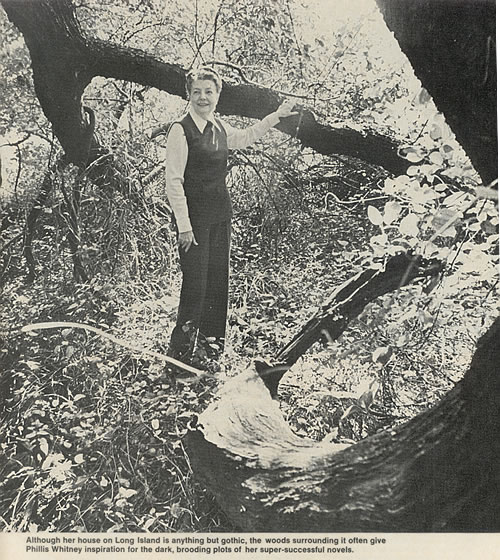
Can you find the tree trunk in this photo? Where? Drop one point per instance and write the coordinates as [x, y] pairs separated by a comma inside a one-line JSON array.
[[451, 45], [438, 472]]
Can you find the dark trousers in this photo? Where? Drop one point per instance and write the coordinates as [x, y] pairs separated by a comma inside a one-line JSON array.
[[205, 280]]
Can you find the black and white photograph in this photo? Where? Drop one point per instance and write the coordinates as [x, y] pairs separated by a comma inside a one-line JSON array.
[[249, 266]]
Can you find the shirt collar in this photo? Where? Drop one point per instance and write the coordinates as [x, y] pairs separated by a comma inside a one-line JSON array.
[[201, 123]]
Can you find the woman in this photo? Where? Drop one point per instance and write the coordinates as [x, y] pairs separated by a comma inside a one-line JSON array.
[[196, 168]]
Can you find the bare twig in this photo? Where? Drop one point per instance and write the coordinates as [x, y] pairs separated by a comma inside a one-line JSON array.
[[19, 142], [266, 186], [247, 80]]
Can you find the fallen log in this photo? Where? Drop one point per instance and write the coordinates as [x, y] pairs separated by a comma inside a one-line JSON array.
[[438, 472]]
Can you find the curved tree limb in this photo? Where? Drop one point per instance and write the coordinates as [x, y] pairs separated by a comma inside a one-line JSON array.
[[437, 472], [199, 374]]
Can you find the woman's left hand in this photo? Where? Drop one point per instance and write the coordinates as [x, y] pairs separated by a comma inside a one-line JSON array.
[[285, 109]]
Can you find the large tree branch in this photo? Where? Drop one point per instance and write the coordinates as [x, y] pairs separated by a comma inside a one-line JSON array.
[[254, 102], [344, 304], [64, 61]]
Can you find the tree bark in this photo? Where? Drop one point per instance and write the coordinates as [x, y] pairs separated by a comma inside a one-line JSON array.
[[64, 61], [438, 472], [451, 45]]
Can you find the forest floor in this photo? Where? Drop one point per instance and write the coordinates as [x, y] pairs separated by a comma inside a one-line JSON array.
[[92, 432]]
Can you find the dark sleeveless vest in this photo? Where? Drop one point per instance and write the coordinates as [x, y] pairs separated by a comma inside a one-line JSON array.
[[205, 174]]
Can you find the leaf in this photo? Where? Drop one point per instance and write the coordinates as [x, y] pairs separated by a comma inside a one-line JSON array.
[[375, 216], [435, 132], [367, 398], [379, 242], [382, 354], [413, 170], [454, 199], [149, 523], [348, 412], [436, 158], [476, 261], [32, 365], [488, 227], [79, 459], [414, 154], [391, 212], [175, 510], [330, 437], [426, 319], [402, 340], [391, 187], [421, 195], [424, 96], [44, 446], [443, 217], [409, 225], [127, 492]]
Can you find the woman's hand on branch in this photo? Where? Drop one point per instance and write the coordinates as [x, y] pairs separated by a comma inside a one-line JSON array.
[[186, 239], [285, 109]]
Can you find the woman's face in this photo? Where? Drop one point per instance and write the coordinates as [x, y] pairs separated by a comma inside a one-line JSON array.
[[203, 97]]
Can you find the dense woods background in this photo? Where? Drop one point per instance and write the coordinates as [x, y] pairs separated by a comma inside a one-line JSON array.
[[93, 431]]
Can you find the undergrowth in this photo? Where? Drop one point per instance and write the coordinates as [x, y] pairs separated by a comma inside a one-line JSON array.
[[92, 436]]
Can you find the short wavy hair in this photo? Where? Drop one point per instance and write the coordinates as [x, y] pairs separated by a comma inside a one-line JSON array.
[[203, 73]]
